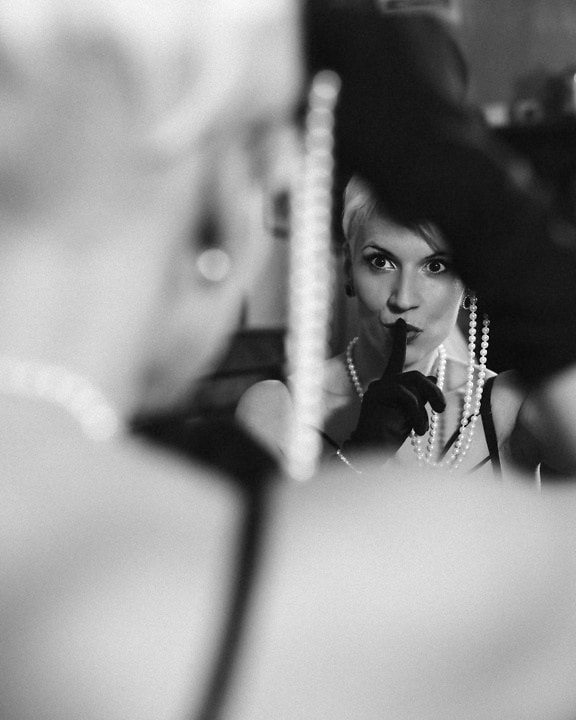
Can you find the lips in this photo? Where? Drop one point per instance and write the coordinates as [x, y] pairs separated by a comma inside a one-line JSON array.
[[409, 328], [412, 331]]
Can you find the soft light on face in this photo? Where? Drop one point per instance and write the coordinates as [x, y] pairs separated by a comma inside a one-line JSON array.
[[397, 274]]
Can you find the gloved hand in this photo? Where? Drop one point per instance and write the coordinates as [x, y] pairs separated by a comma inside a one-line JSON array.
[[396, 403]]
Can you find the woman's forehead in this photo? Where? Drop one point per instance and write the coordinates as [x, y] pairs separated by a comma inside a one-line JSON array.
[[386, 234]]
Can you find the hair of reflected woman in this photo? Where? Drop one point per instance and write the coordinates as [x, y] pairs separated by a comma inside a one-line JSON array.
[[361, 204]]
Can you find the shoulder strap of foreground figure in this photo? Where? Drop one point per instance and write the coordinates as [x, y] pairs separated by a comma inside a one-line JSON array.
[[488, 425]]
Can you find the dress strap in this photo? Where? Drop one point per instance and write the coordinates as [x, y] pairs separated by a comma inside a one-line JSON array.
[[488, 425], [328, 440], [250, 550], [223, 444]]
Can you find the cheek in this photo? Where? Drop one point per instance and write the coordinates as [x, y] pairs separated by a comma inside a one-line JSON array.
[[193, 327], [250, 179], [255, 247], [371, 291], [444, 307]]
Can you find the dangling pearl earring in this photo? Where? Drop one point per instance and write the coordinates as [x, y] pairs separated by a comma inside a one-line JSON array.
[[213, 265], [311, 278]]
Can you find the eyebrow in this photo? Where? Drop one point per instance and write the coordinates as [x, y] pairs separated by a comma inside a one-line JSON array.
[[440, 253]]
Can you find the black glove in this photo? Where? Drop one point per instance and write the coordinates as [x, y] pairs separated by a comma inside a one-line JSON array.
[[396, 403]]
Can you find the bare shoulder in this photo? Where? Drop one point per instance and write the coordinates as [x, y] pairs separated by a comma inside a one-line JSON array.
[[542, 433], [265, 410], [259, 396], [336, 380], [81, 486], [370, 588], [508, 384], [507, 398], [115, 583]]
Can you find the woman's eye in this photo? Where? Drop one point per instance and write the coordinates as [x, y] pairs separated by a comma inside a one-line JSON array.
[[436, 267], [380, 262]]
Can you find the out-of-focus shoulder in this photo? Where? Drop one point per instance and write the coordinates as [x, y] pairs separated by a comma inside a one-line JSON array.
[[129, 553], [507, 397], [265, 410]]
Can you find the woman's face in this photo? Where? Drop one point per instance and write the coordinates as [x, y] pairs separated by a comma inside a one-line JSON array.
[[397, 274]]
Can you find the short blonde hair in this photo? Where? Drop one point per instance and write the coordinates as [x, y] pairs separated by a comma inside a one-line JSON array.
[[361, 203], [75, 72]]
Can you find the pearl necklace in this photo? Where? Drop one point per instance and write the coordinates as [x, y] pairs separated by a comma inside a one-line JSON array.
[[351, 368], [59, 386], [470, 408]]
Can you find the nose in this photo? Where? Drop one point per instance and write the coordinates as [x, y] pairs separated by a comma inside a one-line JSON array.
[[404, 294]]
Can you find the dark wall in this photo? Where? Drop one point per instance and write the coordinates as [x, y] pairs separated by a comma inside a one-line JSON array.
[[504, 39]]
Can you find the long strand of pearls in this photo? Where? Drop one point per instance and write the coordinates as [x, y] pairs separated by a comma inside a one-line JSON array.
[[351, 368], [415, 440], [472, 396], [474, 391], [311, 278]]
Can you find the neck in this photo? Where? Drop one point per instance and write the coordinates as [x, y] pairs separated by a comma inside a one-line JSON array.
[[370, 363], [425, 364], [85, 314]]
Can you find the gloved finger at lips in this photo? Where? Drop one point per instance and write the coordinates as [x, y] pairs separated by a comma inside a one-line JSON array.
[[398, 354]]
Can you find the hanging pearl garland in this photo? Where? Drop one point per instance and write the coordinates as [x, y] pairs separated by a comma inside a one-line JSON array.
[[472, 396], [311, 278]]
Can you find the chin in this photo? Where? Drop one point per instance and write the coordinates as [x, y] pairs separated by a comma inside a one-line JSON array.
[[168, 383], [164, 388], [163, 399], [416, 355], [411, 360]]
